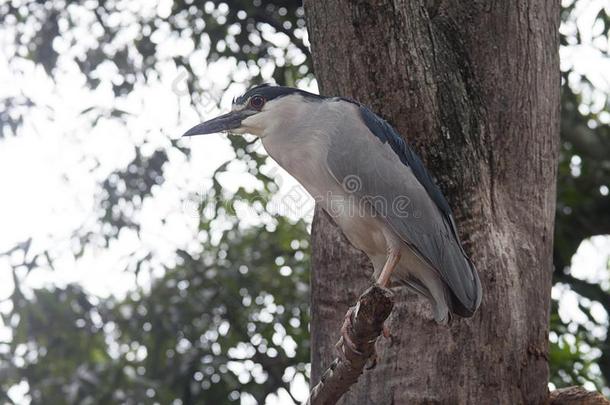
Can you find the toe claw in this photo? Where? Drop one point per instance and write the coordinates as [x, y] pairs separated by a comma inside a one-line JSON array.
[[373, 361], [345, 340], [386, 332]]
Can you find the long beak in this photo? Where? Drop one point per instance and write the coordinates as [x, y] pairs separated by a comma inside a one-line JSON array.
[[223, 123]]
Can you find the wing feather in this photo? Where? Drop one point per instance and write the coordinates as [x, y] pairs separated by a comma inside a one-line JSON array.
[[389, 172]]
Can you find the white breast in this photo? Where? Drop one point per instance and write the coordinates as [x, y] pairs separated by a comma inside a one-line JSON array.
[[300, 146]]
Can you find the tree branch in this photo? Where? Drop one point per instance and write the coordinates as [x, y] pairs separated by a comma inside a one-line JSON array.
[[576, 396], [363, 325]]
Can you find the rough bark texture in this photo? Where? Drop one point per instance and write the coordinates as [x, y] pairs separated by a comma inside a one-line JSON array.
[[577, 396], [474, 87]]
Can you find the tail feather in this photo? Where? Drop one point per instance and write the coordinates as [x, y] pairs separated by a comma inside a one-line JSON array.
[[440, 308]]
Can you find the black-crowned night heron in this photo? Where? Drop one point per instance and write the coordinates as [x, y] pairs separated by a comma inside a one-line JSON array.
[[370, 181]]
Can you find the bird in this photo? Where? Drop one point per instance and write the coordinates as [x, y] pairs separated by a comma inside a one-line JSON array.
[[372, 184]]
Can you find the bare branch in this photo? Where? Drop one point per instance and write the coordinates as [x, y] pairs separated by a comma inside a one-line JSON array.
[[363, 325], [576, 396]]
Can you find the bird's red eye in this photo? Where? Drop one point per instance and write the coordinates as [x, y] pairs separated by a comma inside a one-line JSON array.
[[257, 102]]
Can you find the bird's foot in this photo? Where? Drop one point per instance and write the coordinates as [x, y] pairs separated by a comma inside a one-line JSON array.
[[346, 346], [345, 341], [386, 332], [373, 360]]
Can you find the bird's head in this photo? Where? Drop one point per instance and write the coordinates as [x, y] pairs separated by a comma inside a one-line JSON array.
[[257, 110]]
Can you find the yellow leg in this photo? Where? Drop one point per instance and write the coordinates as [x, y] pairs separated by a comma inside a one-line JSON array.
[[388, 268]]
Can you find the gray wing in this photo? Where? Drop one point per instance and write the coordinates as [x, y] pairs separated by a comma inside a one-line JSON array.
[[372, 161]]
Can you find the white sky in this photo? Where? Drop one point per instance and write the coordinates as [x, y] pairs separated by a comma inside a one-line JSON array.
[[47, 184]]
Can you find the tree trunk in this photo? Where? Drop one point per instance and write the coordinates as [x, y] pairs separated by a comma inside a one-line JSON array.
[[474, 87]]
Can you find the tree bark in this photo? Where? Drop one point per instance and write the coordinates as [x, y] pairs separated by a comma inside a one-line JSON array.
[[576, 396], [474, 87]]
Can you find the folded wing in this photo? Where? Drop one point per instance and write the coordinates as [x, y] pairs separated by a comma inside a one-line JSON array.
[[394, 179]]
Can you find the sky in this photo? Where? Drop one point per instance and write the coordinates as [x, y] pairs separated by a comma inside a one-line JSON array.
[[48, 186]]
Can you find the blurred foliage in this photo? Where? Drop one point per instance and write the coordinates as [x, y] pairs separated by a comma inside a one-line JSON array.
[[219, 324], [580, 350], [230, 319], [127, 38]]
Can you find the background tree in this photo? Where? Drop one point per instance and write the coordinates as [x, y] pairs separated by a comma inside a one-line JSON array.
[[182, 335], [495, 157]]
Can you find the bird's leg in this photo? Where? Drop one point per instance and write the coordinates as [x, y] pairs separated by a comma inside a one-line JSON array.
[[388, 268], [384, 279]]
